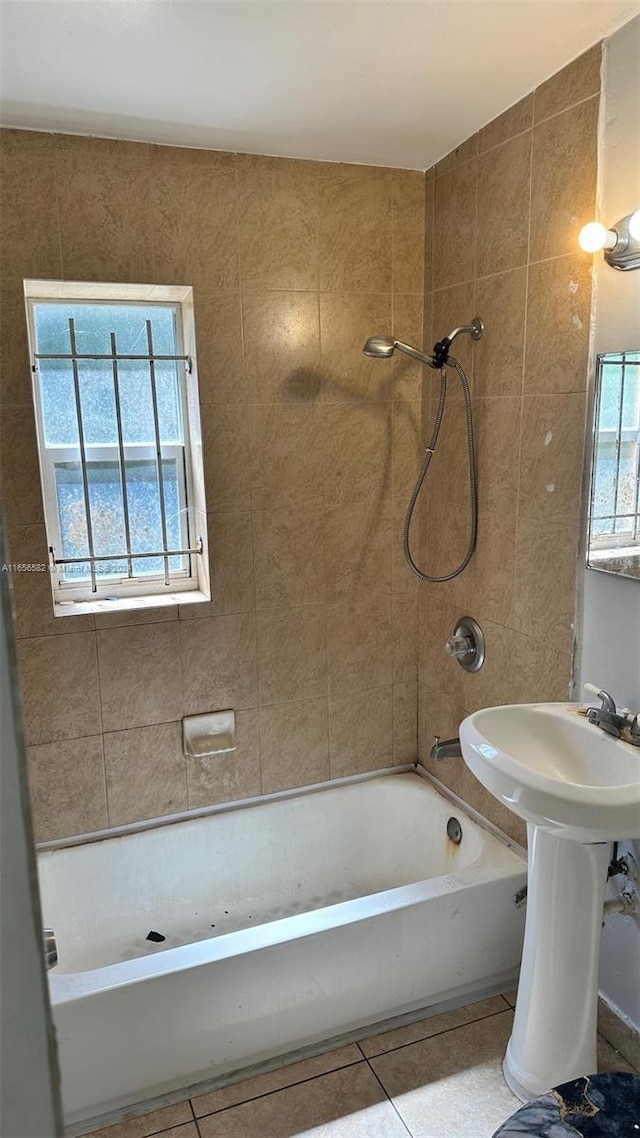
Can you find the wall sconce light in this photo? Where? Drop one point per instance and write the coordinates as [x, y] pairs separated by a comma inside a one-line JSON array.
[[621, 244]]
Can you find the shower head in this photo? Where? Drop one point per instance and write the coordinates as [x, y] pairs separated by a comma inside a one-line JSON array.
[[381, 347]]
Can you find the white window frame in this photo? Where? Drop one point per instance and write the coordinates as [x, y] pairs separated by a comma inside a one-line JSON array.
[[187, 585]]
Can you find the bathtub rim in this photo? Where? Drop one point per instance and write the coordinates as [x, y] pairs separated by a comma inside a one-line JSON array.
[[163, 820]]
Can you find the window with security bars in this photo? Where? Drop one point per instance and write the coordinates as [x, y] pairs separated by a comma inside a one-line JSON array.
[[614, 537], [116, 403]]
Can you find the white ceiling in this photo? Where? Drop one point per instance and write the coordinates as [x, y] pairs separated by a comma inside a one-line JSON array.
[[387, 82]]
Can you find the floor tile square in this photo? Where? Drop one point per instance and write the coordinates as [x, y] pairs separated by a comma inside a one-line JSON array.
[[451, 1086]]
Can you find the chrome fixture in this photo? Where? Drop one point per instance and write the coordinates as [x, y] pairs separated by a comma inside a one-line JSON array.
[[454, 831], [445, 749], [382, 347], [50, 948], [621, 244], [466, 644], [621, 724]]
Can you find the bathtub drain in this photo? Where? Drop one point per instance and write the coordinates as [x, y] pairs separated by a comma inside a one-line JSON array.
[[454, 831]]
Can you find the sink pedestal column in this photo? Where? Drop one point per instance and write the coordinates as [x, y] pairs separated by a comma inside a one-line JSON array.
[[554, 1031]]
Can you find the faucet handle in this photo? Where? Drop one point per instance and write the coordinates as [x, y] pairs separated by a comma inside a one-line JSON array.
[[607, 703]]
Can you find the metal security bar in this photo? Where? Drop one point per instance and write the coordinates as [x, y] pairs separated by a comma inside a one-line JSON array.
[[75, 358], [623, 438]]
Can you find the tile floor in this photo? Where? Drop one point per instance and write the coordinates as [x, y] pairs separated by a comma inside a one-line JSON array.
[[437, 1078]]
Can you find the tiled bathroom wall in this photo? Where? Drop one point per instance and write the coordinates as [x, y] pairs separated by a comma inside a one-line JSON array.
[[309, 451], [503, 215]]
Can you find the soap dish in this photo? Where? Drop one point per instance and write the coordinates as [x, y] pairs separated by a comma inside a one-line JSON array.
[[211, 734]]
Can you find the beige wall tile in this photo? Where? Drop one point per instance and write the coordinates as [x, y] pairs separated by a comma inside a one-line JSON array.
[[405, 723], [225, 443], [503, 206], [140, 679], [230, 567], [32, 595], [490, 575], [546, 557], [278, 211], [455, 228], [408, 326], [290, 556], [358, 551], [575, 82], [347, 320], [194, 218], [282, 345], [28, 203], [360, 644], [497, 433], [558, 315], [439, 713], [462, 153], [15, 362], [405, 637], [551, 455], [20, 472], [219, 663], [59, 681], [146, 776], [451, 307], [128, 617], [357, 462], [286, 455], [563, 184], [219, 344], [66, 784], [408, 203], [513, 121], [429, 199], [230, 776], [104, 189], [294, 744], [408, 447], [402, 578], [361, 732], [292, 653], [355, 228], [498, 357]]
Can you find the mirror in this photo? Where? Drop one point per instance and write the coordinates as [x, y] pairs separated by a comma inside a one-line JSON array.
[[614, 505]]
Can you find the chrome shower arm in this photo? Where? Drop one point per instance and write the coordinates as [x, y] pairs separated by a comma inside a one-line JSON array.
[[474, 329], [415, 354]]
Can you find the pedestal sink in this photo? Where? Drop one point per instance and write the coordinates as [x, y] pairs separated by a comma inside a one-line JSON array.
[[577, 789]]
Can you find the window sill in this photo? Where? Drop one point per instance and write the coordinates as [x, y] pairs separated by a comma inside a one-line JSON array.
[[130, 604]]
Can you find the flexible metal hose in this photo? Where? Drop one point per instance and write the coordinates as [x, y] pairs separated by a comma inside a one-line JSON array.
[[473, 487]]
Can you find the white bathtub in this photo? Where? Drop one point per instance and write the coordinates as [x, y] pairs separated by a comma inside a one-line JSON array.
[[287, 922]]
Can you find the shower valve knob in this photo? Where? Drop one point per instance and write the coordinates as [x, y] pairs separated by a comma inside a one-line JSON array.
[[466, 644], [458, 646]]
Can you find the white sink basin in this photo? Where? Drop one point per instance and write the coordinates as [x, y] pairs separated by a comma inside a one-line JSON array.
[[553, 768], [568, 780]]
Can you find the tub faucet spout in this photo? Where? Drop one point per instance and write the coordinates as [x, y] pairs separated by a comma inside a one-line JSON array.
[[445, 749]]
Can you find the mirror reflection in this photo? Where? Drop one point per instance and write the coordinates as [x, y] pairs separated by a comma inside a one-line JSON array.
[[614, 513]]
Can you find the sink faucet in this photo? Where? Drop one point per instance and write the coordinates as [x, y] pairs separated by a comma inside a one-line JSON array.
[[621, 724], [445, 749]]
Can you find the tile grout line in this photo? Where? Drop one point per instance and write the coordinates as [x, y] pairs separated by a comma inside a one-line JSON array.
[[389, 1099], [436, 1034], [275, 1091]]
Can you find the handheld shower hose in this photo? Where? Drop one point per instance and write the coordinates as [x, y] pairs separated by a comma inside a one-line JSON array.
[[383, 347]]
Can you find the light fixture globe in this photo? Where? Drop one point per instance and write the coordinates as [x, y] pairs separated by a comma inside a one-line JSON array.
[[593, 237]]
